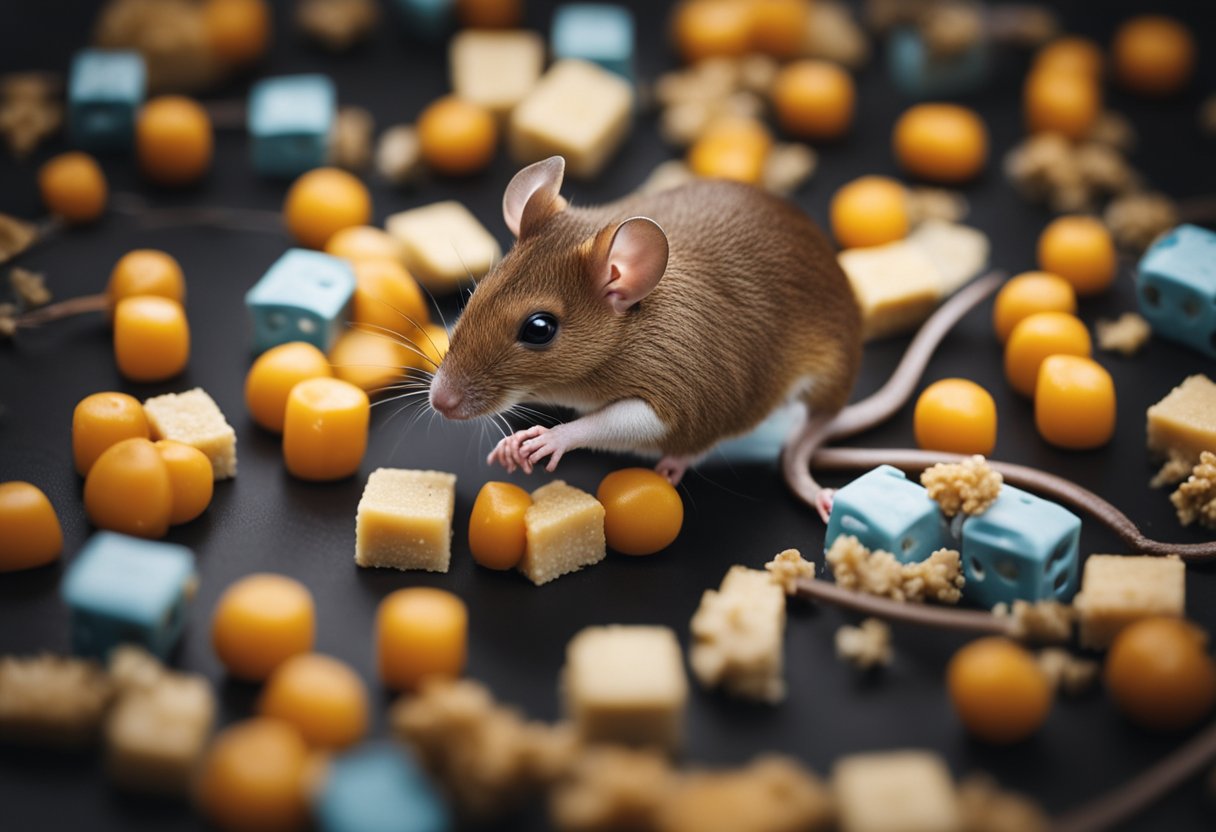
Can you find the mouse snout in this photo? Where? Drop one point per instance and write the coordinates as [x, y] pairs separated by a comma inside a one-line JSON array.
[[446, 398]]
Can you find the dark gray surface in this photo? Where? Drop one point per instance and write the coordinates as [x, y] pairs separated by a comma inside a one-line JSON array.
[[265, 520]]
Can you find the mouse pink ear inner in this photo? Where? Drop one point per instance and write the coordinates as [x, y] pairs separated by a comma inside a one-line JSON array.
[[532, 196], [636, 261]]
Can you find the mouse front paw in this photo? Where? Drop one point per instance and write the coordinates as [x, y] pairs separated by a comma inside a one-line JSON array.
[[542, 443], [508, 453]]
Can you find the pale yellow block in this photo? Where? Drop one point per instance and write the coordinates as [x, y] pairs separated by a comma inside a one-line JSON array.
[[578, 111], [565, 532], [896, 285], [51, 700], [625, 684], [737, 636], [898, 791], [495, 69], [1119, 589], [195, 419], [958, 251], [443, 244], [1184, 423], [404, 520]]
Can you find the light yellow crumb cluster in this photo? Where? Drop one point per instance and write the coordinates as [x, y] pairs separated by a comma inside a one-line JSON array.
[[737, 634], [773, 792], [1067, 673], [611, 788], [938, 578], [1125, 335], [787, 568], [985, 806], [1195, 499], [865, 646], [52, 699], [970, 486], [1044, 622]]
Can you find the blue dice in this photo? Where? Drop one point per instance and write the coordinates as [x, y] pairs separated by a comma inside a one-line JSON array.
[[290, 119], [597, 32], [885, 510], [304, 296], [378, 788], [1022, 547], [425, 19], [1176, 287], [921, 75], [125, 590], [105, 89]]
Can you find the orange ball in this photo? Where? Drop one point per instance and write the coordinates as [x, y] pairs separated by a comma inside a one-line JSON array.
[[814, 99], [173, 140], [238, 31], [941, 142], [323, 202], [497, 534], [1074, 403], [32, 535], [387, 297], [732, 148], [272, 376], [260, 622], [869, 211], [1080, 250], [420, 632], [322, 697], [129, 490], [363, 242], [104, 419], [253, 778], [151, 338], [1062, 102], [712, 28], [1160, 675], [457, 137], [1038, 336], [146, 271], [643, 512], [191, 480], [1026, 294], [73, 187], [957, 416], [778, 27], [1154, 55], [1070, 54], [998, 690]]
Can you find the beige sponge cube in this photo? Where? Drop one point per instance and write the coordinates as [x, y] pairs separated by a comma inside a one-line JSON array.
[[578, 111], [897, 286], [443, 244], [899, 791], [495, 69], [1183, 424], [195, 419], [625, 684], [565, 531], [959, 251], [404, 520], [1119, 589]]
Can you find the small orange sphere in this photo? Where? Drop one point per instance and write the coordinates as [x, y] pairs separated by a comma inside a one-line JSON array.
[[1035, 338], [712, 28], [731, 148], [1026, 294], [778, 27], [389, 299], [73, 187], [191, 480], [1074, 403], [957, 416], [869, 211], [322, 697], [1062, 102], [272, 376], [1080, 250], [32, 536], [643, 512], [323, 202], [1154, 55], [261, 621], [173, 140], [151, 338], [497, 534], [104, 419], [941, 142], [420, 632], [363, 242], [814, 99], [457, 137], [1160, 675], [128, 490], [1070, 54], [253, 778], [998, 690], [238, 31], [146, 271]]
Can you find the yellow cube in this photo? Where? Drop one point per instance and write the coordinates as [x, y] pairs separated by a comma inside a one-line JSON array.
[[404, 520], [896, 285], [443, 244], [897, 791], [564, 530], [495, 69], [1117, 590], [194, 419]]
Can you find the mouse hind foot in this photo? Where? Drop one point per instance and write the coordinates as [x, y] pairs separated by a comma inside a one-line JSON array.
[[673, 468]]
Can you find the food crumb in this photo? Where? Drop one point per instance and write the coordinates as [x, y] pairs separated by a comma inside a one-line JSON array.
[[786, 568], [337, 25], [399, 154], [350, 145], [987, 808], [865, 646], [1195, 499], [1135, 220], [1068, 674], [939, 577], [611, 788], [970, 486], [15, 236], [30, 287], [1175, 469], [788, 167], [1044, 622], [1125, 335], [936, 204]]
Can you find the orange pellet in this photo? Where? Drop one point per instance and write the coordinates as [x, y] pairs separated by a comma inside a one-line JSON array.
[[238, 31], [129, 490], [323, 202], [1080, 250], [191, 480], [457, 137], [1070, 54], [998, 690], [643, 512], [325, 429], [260, 622], [322, 697], [490, 14], [32, 536], [1035, 338], [955, 415], [372, 361], [712, 28], [869, 211], [420, 632], [253, 778], [1062, 102], [363, 242], [272, 376], [1160, 675], [497, 535], [1026, 294], [104, 419], [434, 345], [388, 299], [173, 140], [151, 338], [73, 187], [1154, 55], [732, 148], [1074, 402], [814, 99], [941, 142], [778, 27], [146, 271]]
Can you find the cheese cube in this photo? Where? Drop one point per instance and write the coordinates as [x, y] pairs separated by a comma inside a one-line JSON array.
[[404, 520], [958, 251], [48, 700], [443, 244], [896, 285], [625, 684], [578, 111], [899, 791], [495, 69], [194, 418], [1184, 423], [564, 528], [737, 632], [1119, 589]]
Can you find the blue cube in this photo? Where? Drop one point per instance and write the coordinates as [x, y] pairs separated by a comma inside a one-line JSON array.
[[290, 118], [304, 296], [885, 510], [126, 590], [1022, 547], [921, 75], [378, 788], [425, 19], [105, 89], [1176, 287], [596, 32]]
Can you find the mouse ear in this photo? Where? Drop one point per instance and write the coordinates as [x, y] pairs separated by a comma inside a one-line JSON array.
[[634, 264], [532, 196]]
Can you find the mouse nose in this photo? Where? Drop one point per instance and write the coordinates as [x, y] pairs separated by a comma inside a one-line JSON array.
[[445, 399]]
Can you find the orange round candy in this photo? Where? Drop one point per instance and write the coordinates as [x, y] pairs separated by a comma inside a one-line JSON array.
[[104, 419], [497, 535], [712, 28], [1038, 336], [73, 187], [1080, 250], [363, 242], [151, 338], [372, 361], [146, 271], [272, 376], [32, 535], [778, 27], [323, 202], [643, 512], [129, 490], [869, 211], [238, 31], [434, 345], [387, 297], [253, 778], [457, 137], [1068, 103], [731, 148], [1028, 293], [1154, 55], [941, 142], [191, 480], [1070, 54], [814, 99], [957, 416], [325, 429], [173, 140], [998, 690], [260, 622], [420, 632], [1074, 402], [490, 14], [1160, 675], [322, 697]]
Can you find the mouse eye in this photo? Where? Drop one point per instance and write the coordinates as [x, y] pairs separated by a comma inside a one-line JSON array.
[[538, 330]]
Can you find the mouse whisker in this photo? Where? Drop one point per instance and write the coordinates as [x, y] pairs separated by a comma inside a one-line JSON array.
[[398, 338], [400, 397], [438, 308], [404, 316]]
